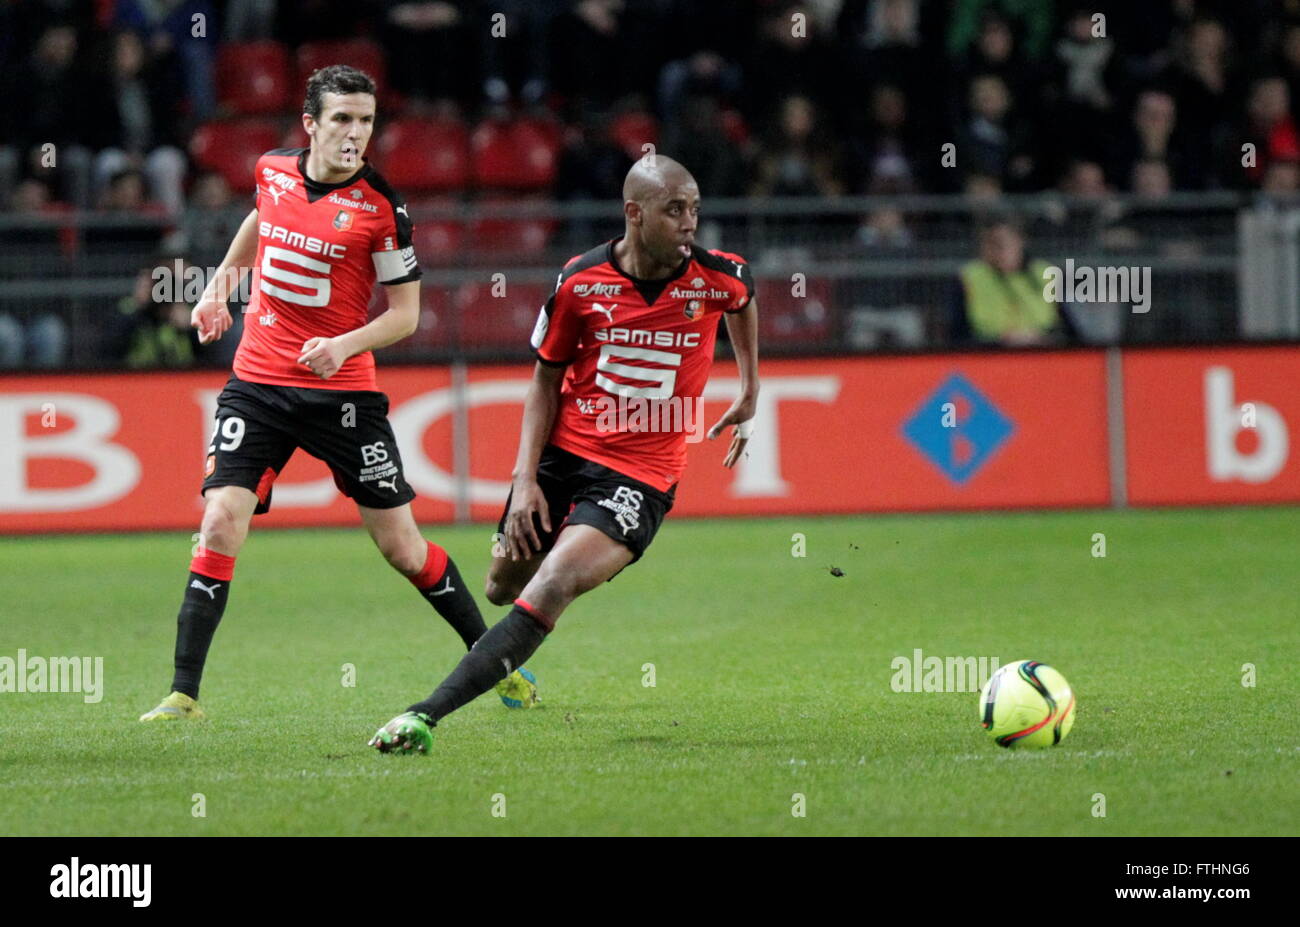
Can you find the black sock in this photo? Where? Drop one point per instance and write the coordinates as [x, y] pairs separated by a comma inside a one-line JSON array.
[[497, 654], [205, 600], [452, 600]]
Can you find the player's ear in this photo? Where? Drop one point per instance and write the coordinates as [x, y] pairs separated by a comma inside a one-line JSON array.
[[308, 124], [632, 211]]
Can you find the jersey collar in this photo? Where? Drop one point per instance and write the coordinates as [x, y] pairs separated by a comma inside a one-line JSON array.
[[650, 290], [315, 189]]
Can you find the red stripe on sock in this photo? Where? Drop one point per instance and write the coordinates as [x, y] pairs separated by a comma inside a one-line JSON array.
[[213, 565], [435, 565], [538, 616]]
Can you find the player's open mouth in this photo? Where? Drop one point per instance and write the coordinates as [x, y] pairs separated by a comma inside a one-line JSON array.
[[684, 250], [349, 154]]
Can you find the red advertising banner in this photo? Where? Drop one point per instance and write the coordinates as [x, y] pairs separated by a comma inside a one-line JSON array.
[[1211, 425], [126, 451]]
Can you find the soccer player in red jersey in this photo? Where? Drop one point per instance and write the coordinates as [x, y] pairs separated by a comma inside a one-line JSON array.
[[325, 227], [628, 333]]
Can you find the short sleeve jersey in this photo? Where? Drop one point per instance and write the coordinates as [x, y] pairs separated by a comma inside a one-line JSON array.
[[320, 249], [639, 354]]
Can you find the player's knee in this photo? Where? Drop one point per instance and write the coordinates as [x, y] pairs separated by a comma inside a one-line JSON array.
[[500, 592], [220, 528], [404, 555]]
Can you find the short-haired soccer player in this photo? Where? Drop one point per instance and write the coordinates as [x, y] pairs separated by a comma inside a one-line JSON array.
[[325, 227], [632, 321]]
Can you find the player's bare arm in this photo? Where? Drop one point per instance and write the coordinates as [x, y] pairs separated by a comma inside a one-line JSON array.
[[742, 327], [211, 316], [540, 407], [324, 356]]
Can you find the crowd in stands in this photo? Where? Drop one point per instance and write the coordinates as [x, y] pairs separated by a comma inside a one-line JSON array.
[[158, 107]]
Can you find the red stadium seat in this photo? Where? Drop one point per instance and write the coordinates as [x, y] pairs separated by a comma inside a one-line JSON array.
[[254, 78], [232, 147], [423, 154], [518, 155], [439, 241], [359, 53], [784, 318], [513, 237], [295, 136], [437, 324], [632, 131], [504, 322]]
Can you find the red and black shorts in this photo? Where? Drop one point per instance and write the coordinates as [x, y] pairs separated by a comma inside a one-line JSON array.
[[259, 426], [581, 492]]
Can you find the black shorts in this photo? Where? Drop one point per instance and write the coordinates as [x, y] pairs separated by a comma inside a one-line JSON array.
[[581, 492], [259, 426]]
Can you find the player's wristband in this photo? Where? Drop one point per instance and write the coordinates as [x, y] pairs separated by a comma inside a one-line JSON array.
[[744, 429]]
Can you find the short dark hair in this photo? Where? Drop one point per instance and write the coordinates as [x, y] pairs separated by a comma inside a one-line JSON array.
[[337, 78]]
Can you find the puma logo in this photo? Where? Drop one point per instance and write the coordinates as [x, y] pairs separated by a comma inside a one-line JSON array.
[[444, 590], [275, 193], [210, 590], [609, 313], [391, 484]]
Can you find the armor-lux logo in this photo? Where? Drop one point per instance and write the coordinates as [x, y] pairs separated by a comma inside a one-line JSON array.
[[352, 204]]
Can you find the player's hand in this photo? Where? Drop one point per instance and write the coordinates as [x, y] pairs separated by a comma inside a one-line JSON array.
[[212, 319], [322, 356], [742, 410], [522, 541]]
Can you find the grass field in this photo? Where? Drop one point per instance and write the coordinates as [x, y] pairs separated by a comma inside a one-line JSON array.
[[772, 678]]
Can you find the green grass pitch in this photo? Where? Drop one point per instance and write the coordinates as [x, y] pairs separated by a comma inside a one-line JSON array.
[[772, 680]]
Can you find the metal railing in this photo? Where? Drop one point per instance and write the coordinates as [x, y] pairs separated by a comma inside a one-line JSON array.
[[845, 275]]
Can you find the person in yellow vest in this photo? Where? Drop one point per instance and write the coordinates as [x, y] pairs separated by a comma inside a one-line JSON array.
[[1000, 298]]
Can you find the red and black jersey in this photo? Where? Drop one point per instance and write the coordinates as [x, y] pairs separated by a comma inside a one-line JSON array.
[[320, 249], [634, 341]]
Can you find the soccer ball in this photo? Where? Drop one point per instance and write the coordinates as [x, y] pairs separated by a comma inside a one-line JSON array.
[[1027, 704]]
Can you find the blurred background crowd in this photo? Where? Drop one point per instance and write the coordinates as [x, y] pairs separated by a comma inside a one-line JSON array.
[[149, 113]]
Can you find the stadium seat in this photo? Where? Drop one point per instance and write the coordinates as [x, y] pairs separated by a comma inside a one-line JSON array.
[[359, 53], [423, 154], [231, 148], [515, 155], [632, 131], [254, 78], [437, 329], [502, 322], [295, 136], [438, 241], [784, 318], [510, 237]]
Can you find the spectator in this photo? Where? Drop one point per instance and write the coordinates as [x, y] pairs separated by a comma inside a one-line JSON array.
[[1203, 92], [798, 159], [188, 28], [31, 334], [136, 120], [1000, 297], [151, 332], [884, 153], [991, 141], [1268, 129], [699, 138], [51, 85], [430, 47], [1033, 18], [211, 220], [1151, 135]]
